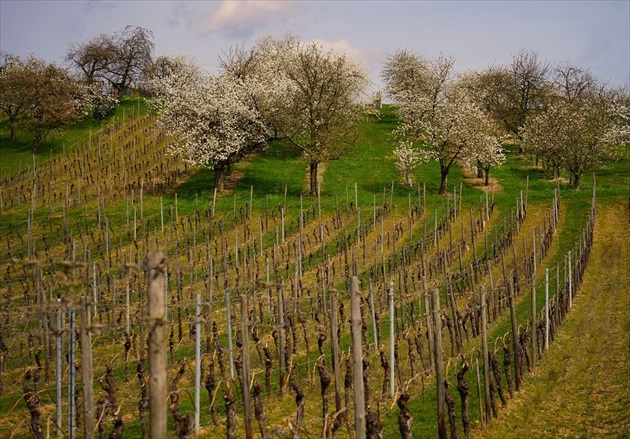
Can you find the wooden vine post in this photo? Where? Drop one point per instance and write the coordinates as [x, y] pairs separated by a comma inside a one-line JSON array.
[[197, 360], [71, 374], [86, 370], [546, 308], [58, 371], [427, 315], [249, 430], [357, 359], [439, 364], [281, 338], [392, 357], [156, 266], [335, 350], [534, 322], [486, 359], [515, 344], [229, 331]]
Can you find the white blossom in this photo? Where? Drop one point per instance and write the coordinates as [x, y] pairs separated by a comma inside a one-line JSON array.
[[573, 137], [408, 158], [439, 113], [213, 120]]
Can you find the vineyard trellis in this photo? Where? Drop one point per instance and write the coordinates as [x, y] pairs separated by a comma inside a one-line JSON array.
[[284, 276]]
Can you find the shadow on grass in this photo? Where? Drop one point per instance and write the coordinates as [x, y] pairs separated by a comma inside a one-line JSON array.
[[268, 172]]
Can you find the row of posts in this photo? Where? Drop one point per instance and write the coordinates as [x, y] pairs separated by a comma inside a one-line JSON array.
[[156, 266]]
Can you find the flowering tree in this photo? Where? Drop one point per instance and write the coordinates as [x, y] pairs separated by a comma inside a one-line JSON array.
[[582, 126], [212, 119], [408, 158], [40, 97], [407, 76], [486, 154], [260, 70], [619, 131], [574, 137], [439, 112], [14, 87], [317, 107], [168, 74]]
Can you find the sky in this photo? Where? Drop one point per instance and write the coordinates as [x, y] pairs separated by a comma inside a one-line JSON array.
[[593, 35]]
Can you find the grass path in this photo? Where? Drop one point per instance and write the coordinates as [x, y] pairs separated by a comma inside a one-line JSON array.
[[581, 388]]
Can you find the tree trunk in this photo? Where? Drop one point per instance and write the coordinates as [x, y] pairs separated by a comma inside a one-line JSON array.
[[444, 180], [479, 170], [313, 178], [487, 177], [219, 176], [12, 133], [39, 136], [575, 181]]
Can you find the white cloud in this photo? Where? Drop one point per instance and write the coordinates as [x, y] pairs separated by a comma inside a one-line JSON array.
[[372, 58], [241, 19], [368, 55]]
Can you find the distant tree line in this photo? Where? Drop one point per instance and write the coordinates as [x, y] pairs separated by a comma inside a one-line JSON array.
[[314, 100], [562, 114], [42, 97], [298, 93]]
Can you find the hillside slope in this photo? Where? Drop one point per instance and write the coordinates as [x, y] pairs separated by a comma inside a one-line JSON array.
[[582, 385]]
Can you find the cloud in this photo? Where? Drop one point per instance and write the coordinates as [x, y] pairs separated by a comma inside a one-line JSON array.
[[372, 58], [241, 19]]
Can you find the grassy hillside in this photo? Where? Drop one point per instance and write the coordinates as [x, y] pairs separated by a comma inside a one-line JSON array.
[[104, 202], [581, 387]]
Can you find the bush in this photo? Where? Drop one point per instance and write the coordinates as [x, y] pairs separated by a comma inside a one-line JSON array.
[[104, 106]]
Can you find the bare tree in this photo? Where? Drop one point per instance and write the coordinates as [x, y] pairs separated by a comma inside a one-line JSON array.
[[92, 58], [511, 94], [572, 83], [118, 59], [530, 84], [133, 52]]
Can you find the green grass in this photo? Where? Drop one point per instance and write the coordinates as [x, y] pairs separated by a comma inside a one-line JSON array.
[[581, 387], [16, 157], [369, 165]]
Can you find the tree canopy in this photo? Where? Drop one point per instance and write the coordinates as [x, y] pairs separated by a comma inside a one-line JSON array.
[[321, 108], [118, 60], [439, 114], [40, 96], [212, 119]]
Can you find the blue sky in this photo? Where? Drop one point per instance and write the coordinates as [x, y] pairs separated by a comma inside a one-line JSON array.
[[590, 34]]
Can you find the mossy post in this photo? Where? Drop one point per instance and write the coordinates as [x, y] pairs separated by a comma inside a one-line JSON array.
[[156, 266], [86, 370], [486, 358], [439, 364]]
